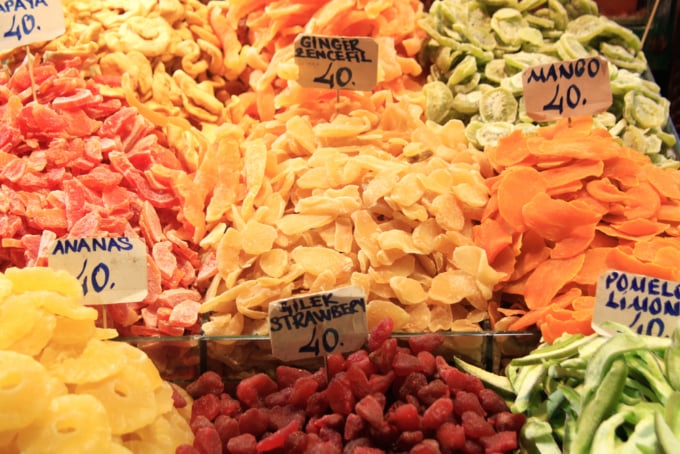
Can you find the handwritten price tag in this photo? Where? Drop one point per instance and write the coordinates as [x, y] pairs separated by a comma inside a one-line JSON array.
[[647, 305], [337, 62], [567, 89], [317, 324], [111, 270], [24, 22]]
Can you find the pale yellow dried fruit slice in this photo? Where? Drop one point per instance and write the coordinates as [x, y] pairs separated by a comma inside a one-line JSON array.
[[98, 360], [71, 424], [128, 398], [24, 383], [43, 278]]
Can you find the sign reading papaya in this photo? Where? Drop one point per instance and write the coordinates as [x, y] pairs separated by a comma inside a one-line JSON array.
[[24, 22], [337, 62], [110, 270], [647, 305], [317, 324], [567, 89]]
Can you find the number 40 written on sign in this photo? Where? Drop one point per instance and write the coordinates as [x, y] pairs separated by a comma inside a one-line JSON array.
[[98, 277], [21, 27], [340, 77], [329, 338]]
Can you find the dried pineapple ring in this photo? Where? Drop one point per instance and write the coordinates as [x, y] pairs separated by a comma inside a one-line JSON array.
[[72, 423], [43, 278], [127, 397], [35, 341], [17, 318], [140, 361], [97, 361], [21, 380]]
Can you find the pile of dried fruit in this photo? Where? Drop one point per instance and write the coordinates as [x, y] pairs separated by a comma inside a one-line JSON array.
[[385, 399], [568, 203], [477, 52], [65, 387], [77, 163]]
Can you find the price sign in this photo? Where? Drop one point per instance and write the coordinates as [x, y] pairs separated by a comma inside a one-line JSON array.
[[317, 324], [111, 270], [337, 62], [24, 22], [647, 305], [567, 89]]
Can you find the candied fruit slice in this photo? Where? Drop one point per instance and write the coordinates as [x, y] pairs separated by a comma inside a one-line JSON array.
[[127, 397], [42, 278], [21, 379], [99, 360], [71, 423]]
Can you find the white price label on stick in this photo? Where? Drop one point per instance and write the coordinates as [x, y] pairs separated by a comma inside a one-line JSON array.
[[24, 22], [647, 305], [567, 89], [337, 62], [317, 324], [110, 269]]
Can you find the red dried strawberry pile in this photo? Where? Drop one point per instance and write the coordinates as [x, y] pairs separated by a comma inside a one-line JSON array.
[[385, 399], [75, 163]]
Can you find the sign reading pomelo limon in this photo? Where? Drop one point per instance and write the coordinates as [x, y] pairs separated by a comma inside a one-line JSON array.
[[110, 269], [567, 89], [317, 324], [337, 62], [647, 305], [25, 22]]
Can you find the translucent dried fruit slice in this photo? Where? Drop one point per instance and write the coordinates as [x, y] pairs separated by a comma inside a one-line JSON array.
[[498, 105], [22, 379], [138, 359], [507, 23], [99, 360], [43, 278], [65, 305], [71, 423], [69, 331], [18, 316], [585, 28], [127, 397], [34, 342]]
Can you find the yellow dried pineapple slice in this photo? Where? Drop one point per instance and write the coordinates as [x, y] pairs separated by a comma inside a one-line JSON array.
[[64, 305], [137, 358], [128, 398], [163, 395], [35, 341], [6, 287], [71, 424], [43, 278], [163, 435], [69, 331], [98, 360], [22, 379], [18, 317]]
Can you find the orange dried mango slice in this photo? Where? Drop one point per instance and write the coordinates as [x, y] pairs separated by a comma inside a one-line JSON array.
[[517, 187]]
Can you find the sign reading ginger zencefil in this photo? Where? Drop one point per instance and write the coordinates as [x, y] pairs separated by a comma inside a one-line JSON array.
[[567, 89], [24, 22], [647, 305], [318, 324], [110, 270], [337, 62]]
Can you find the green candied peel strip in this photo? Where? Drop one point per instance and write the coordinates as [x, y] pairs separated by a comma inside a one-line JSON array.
[[596, 393], [523, 33]]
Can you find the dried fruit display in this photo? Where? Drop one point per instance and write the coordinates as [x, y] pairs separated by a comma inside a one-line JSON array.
[[387, 398], [66, 387], [78, 163]]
